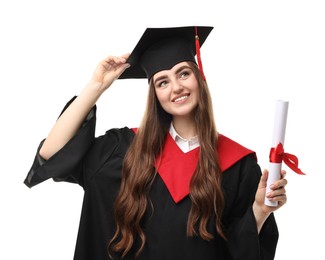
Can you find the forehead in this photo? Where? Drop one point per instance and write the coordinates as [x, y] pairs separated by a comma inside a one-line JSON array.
[[172, 70]]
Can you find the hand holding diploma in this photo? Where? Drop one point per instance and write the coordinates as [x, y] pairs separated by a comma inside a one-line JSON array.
[[277, 154]]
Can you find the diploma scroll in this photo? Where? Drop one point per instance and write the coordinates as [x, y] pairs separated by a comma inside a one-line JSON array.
[[280, 121]]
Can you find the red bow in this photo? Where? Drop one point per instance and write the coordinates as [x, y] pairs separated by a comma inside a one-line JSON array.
[[277, 155]]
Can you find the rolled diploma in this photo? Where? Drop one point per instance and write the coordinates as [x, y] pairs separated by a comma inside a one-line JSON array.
[[280, 121]]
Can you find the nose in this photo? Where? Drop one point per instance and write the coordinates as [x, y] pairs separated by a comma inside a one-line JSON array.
[[177, 86]]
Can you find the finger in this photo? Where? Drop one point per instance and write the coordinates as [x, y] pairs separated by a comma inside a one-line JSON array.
[[109, 58], [119, 60], [121, 69], [114, 60], [276, 193], [279, 184], [263, 179], [125, 56], [281, 199]]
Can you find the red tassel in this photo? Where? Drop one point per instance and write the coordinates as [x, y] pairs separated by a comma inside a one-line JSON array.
[[198, 54]]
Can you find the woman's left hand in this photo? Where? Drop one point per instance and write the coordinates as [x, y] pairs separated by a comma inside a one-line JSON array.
[[277, 193]]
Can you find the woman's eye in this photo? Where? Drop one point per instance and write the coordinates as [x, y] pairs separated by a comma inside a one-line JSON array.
[[184, 74], [162, 84]]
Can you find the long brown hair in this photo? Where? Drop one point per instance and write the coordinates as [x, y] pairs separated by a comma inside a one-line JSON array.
[[138, 173]]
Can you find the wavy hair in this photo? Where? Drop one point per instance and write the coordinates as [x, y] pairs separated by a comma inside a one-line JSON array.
[[138, 173]]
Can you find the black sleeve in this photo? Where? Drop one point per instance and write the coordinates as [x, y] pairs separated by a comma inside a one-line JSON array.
[[244, 242], [66, 164]]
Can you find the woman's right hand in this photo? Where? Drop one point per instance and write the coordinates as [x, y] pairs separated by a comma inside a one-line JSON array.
[[72, 118], [109, 70]]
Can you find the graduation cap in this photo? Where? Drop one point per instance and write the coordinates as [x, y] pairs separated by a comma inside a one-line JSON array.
[[162, 48]]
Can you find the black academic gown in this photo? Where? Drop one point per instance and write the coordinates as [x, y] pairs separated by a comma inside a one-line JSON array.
[[95, 164]]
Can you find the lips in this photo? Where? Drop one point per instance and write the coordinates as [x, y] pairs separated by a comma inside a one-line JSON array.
[[180, 98]]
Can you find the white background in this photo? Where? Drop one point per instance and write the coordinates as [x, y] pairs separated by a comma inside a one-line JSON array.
[[258, 52]]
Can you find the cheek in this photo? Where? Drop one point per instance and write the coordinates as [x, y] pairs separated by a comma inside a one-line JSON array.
[[197, 93], [161, 96]]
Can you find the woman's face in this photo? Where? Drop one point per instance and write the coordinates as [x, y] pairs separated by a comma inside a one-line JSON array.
[[177, 90]]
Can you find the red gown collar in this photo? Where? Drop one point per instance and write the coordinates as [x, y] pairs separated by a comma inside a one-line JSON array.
[[176, 167]]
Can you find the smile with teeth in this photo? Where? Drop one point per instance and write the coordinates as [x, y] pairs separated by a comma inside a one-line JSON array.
[[179, 99]]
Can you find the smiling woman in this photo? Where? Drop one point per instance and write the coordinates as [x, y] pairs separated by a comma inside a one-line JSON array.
[[177, 91], [174, 188]]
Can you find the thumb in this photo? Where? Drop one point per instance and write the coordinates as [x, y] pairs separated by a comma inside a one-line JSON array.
[[263, 179], [121, 69]]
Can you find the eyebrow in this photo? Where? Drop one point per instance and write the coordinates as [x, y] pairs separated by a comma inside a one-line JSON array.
[[176, 72]]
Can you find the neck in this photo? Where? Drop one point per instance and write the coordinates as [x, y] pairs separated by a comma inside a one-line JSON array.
[[185, 126]]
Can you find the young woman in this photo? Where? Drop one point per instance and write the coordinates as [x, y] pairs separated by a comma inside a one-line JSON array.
[[174, 188]]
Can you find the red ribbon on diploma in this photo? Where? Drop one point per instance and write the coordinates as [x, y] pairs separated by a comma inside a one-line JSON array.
[[277, 155]]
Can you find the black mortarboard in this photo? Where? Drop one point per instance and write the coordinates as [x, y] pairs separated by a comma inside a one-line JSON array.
[[161, 48]]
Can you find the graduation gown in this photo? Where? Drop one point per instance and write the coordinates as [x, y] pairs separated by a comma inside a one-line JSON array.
[[95, 164]]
